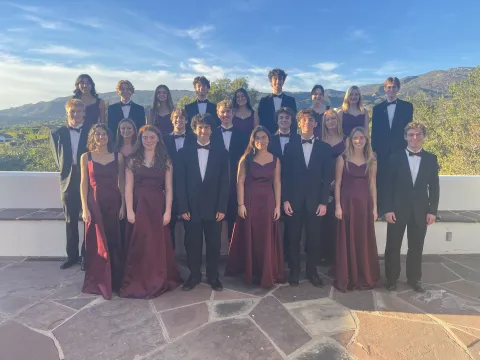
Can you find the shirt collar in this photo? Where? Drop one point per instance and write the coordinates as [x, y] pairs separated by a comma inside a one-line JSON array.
[[408, 149], [199, 143]]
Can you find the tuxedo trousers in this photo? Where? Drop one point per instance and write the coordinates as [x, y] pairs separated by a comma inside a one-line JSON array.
[[416, 238], [194, 234], [313, 224], [72, 206]]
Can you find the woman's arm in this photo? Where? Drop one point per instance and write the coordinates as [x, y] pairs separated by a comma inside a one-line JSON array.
[[256, 120], [84, 182], [338, 183], [129, 180], [373, 187], [169, 187], [367, 121], [242, 212], [149, 117], [277, 190], [121, 181], [102, 112]]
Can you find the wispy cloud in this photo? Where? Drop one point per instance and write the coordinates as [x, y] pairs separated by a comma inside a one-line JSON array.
[[326, 66], [60, 50], [197, 34], [359, 34], [27, 8], [52, 25], [161, 64], [17, 30]]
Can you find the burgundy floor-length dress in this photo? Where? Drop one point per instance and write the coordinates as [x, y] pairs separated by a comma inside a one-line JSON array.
[[256, 247], [150, 266], [244, 125], [349, 122], [329, 225], [164, 124], [103, 249], [356, 255]]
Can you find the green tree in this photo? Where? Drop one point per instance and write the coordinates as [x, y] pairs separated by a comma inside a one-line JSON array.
[[184, 101], [223, 89]]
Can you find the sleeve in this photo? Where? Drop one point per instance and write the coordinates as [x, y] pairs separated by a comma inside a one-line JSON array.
[[327, 174], [142, 117], [224, 183], [287, 172], [54, 147], [434, 188], [374, 128], [180, 183], [110, 123], [261, 111], [409, 113], [389, 184]]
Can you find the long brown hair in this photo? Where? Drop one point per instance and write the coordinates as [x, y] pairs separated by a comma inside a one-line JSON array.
[[161, 160], [333, 113], [92, 144], [120, 140], [367, 149], [156, 104], [251, 150]]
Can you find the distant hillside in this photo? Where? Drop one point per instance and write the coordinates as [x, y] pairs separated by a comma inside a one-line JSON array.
[[434, 83]]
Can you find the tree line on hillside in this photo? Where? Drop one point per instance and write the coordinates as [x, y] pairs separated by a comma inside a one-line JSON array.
[[453, 125]]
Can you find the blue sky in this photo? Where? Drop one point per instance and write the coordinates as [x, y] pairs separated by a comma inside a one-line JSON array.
[[45, 44]]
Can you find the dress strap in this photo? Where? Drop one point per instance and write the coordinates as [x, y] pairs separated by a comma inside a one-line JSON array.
[[89, 156]]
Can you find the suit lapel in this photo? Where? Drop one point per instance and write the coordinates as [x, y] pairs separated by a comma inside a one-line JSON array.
[[313, 155], [67, 145], [396, 114], [210, 164], [406, 167], [196, 164], [422, 168]]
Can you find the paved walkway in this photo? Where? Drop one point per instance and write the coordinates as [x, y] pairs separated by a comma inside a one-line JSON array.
[[44, 316]]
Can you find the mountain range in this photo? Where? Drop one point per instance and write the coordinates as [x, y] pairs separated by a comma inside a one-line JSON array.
[[433, 84]]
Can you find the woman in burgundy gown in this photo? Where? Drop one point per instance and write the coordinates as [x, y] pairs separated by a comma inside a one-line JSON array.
[[318, 107], [102, 184], [94, 106], [162, 107], [353, 114], [332, 134], [150, 266], [244, 117], [356, 256], [256, 248]]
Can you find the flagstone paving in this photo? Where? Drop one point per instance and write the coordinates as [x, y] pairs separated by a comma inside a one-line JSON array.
[[44, 316]]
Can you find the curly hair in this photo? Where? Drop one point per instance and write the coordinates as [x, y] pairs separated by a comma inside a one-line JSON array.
[[205, 119], [201, 80], [77, 93], [278, 73], [128, 83], [92, 144], [161, 160]]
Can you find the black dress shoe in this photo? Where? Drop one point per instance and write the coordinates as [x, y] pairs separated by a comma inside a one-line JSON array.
[[82, 263], [190, 284], [68, 263], [391, 286], [216, 285], [293, 280], [417, 286], [315, 280]]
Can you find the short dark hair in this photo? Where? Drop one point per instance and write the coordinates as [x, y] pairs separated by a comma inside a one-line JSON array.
[[204, 119], [201, 80], [317, 87], [392, 80], [415, 125], [284, 110], [279, 73], [303, 112]]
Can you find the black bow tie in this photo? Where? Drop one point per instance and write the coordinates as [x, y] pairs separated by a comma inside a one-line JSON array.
[[202, 101], [71, 128], [205, 147], [127, 104], [277, 96], [411, 153], [179, 136], [307, 141], [284, 135], [225, 130], [394, 102]]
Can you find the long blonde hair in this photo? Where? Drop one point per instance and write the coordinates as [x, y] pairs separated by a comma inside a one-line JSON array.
[[346, 101], [367, 149], [331, 112]]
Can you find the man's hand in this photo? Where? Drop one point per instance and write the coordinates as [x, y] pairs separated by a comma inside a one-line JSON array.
[[321, 210], [391, 217], [186, 216], [287, 208], [430, 219], [220, 216]]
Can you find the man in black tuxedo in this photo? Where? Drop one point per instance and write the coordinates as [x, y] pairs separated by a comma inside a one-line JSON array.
[[175, 141], [389, 118], [202, 105], [235, 142], [125, 109], [412, 193], [307, 174], [270, 104], [68, 143], [202, 187], [279, 140]]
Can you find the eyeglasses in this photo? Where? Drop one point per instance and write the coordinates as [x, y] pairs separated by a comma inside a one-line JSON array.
[[415, 135]]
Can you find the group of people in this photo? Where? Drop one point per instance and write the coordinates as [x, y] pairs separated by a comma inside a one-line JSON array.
[[134, 176]]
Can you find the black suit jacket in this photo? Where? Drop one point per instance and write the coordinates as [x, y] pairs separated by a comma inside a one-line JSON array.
[[303, 186], [402, 197], [115, 115], [202, 199], [386, 140], [61, 147], [192, 110], [266, 112], [275, 147]]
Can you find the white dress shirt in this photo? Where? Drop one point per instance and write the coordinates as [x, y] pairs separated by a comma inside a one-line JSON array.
[[391, 112], [277, 101], [202, 107], [284, 141], [203, 159], [74, 139], [307, 150], [125, 109], [414, 163], [227, 137], [179, 141]]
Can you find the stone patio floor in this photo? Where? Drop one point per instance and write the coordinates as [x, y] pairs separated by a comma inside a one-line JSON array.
[[44, 316]]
